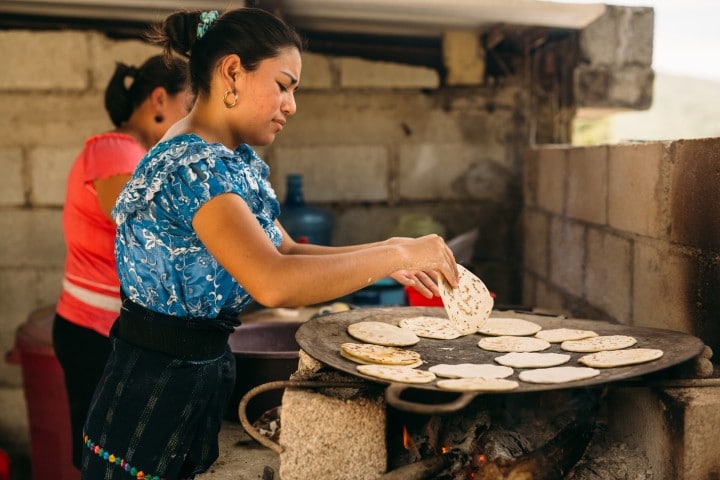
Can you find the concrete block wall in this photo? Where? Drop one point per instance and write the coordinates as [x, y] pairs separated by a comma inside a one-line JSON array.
[[627, 233]]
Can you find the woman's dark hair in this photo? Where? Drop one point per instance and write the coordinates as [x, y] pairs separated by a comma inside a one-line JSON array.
[[251, 33], [121, 98]]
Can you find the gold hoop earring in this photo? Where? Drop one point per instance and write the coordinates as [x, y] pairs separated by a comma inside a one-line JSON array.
[[225, 99]]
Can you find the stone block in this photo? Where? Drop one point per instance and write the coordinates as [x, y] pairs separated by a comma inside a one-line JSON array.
[[64, 65], [364, 224], [51, 119], [360, 73], [531, 169], [49, 168], [31, 238], [552, 171], [536, 253], [20, 294], [587, 184], [548, 298], [663, 287], [567, 256], [334, 173], [608, 275], [317, 72], [14, 419], [628, 87], [621, 36], [694, 193], [450, 171], [676, 427], [12, 183], [327, 437], [106, 53], [637, 198], [463, 58]]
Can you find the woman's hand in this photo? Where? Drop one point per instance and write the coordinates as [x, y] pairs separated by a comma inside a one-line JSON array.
[[433, 258], [421, 281]]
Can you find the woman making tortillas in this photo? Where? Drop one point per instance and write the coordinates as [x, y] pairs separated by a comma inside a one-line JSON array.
[[198, 240]]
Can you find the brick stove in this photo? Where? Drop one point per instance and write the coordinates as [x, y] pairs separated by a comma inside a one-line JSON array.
[[659, 426]]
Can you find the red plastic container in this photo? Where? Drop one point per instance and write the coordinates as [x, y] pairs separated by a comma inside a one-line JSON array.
[[46, 398], [416, 300], [4, 465]]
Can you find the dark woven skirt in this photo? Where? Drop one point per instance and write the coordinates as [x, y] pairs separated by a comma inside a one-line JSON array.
[[155, 416]]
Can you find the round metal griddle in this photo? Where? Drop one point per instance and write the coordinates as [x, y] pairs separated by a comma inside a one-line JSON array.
[[321, 338]]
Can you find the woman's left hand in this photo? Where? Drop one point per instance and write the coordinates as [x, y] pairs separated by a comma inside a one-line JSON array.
[[421, 281]]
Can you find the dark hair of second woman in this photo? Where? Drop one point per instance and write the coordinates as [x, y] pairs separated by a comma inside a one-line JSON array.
[[251, 33], [130, 86]]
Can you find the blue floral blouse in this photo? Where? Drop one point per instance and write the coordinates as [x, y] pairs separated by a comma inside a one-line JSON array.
[[162, 263]]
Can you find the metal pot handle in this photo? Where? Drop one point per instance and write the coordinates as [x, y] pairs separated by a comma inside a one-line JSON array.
[[253, 392], [395, 390]]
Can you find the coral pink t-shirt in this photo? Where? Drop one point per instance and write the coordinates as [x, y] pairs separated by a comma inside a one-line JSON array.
[[91, 290]]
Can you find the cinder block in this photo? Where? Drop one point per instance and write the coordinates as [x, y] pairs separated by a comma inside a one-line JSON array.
[[359, 73], [663, 287], [548, 298], [450, 171], [64, 65], [321, 437], [676, 427], [317, 72], [364, 224], [463, 57], [608, 276], [51, 119], [567, 256], [637, 189], [31, 238], [334, 173], [536, 250], [694, 193], [49, 169], [12, 183], [551, 174], [587, 184], [19, 296], [106, 53]]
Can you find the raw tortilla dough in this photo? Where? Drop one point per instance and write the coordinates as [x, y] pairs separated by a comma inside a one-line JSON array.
[[557, 374], [599, 343], [381, 333], [509, 326], [532, 359], [558, 335], [471, 370], [469, 305], [397, 374], [431, 327], [513, 344], [619, 358], [477, 384]]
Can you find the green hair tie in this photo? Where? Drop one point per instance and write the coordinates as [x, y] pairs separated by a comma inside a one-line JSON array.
[[206, 19]]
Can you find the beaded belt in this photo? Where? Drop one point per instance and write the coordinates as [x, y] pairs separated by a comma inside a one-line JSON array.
[[180, 337]]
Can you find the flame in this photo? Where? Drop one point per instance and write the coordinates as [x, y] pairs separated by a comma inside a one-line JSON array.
[[480, 460], [407, 441]]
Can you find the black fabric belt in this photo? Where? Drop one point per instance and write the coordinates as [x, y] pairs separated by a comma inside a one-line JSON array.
[[180, 337]]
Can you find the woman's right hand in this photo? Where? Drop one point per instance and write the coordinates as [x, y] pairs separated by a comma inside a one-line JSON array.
[[429, 254]]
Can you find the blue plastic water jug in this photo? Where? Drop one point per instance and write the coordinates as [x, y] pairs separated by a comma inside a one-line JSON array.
[[304, 223]]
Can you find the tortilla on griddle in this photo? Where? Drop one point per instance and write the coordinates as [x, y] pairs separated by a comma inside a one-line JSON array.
[[471, 370], [396, 373], [532, 359], [599, 343], [507, 343], [497, 326], [477, 384], [620, 358], [378, 354], [381, 333], [430, 327], [558, 374]]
